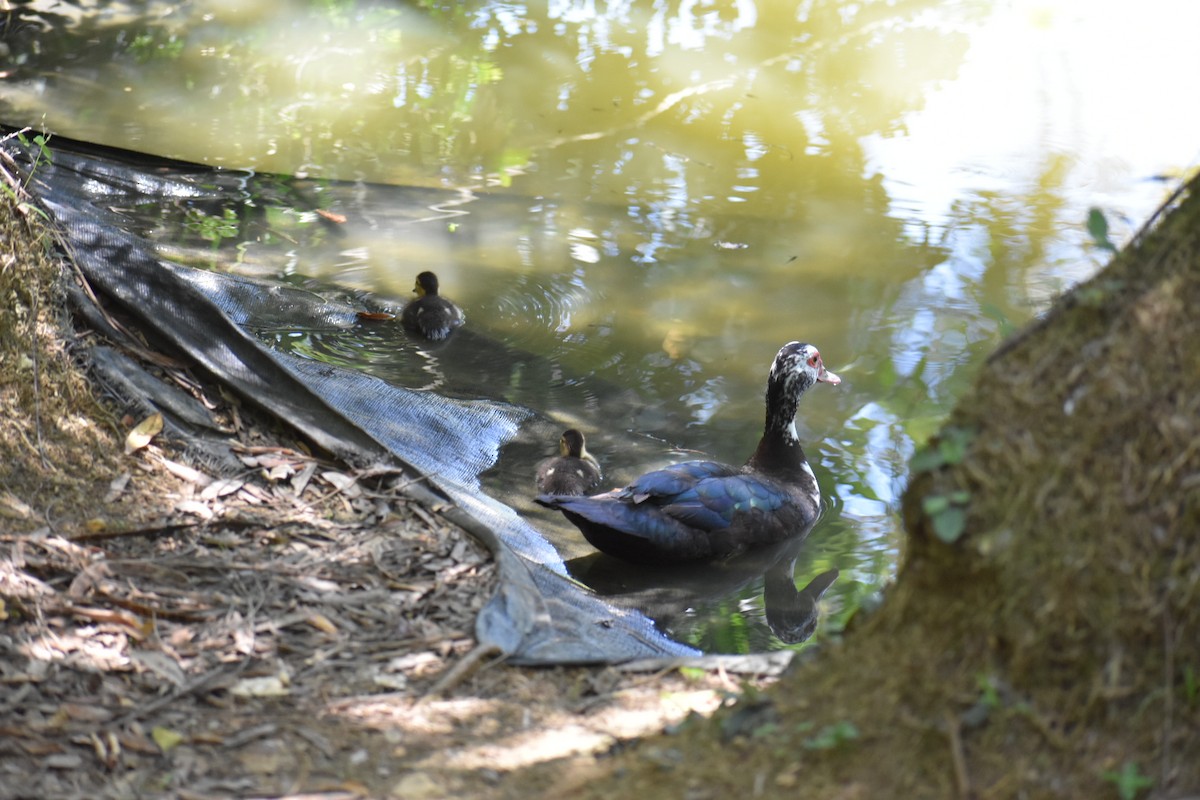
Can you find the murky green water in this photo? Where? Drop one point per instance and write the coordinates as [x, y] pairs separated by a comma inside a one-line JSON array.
[[658, 195]]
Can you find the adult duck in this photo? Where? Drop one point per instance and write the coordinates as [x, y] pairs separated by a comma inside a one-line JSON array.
[[573, 471], [431, 315], [705, 509]]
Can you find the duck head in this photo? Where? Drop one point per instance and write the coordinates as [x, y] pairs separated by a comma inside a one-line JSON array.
[[799, 361], [427, 284], [571, 444], [797, 367]]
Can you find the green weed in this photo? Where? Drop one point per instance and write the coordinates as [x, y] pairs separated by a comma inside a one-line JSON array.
[[1129, 781]]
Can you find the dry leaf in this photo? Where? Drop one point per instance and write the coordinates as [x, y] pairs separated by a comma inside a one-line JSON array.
[[300, 482], [207, 737], [419, 785], [161, 665], [332, 216], [14, 508], [108, 749], [186, 473], [85, 713], [195, 508], [116, 487], [322, 623], [133, 626], [343, 483], [141, 435], [267, 686], [279, 472], [137, 743], [355, 788], [220, 488], [395, 681], [165, 738], [253, 494]]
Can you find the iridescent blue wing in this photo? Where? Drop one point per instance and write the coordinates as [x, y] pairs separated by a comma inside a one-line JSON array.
[[665, 486], [714, 503]]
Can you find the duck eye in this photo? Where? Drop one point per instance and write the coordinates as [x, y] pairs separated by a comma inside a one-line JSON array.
[[814, 359]]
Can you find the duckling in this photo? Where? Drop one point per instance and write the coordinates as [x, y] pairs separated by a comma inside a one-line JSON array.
[[705, 509], [431, 315], [572, 472]]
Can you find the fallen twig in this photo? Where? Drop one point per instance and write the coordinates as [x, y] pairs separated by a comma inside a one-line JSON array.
[[153, 530], [961, 778], [467, 666]]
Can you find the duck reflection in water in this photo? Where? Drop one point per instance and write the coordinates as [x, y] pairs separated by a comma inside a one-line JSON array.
[[672, 595], [792, 615]]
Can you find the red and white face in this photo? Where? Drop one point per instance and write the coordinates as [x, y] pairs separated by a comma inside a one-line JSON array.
[[817, 367], [797, 367]]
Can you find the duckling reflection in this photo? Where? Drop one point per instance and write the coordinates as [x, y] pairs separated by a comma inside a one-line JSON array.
[[671, 595]]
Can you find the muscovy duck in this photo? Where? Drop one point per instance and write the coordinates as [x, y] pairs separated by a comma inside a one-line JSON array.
[[573, 471], [431, 315], [705, 509]]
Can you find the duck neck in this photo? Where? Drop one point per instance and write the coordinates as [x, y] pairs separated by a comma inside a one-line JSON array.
[[779, 452], [584, 455]]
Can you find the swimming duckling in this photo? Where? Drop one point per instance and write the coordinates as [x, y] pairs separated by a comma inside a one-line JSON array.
[[572, 472], [431, 315]]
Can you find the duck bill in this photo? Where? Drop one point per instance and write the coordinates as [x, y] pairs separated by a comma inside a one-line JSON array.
[[825, 376]]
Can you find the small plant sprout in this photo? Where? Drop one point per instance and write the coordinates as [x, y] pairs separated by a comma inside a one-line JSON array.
[[949, 448], [1129, 781], [831, 736], [948, 514]]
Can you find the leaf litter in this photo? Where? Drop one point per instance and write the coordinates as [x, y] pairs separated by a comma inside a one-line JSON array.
[[167, 631]]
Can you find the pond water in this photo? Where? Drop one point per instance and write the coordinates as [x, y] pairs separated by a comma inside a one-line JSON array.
[[655, 196]]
